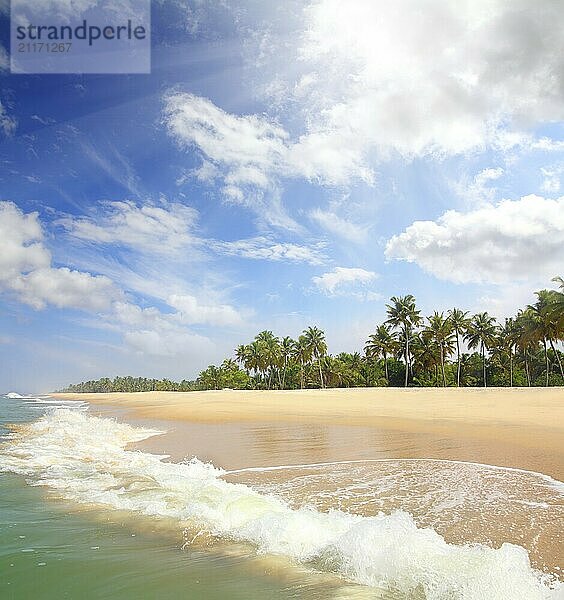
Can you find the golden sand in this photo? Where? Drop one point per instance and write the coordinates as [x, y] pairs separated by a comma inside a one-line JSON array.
[[519, 427]]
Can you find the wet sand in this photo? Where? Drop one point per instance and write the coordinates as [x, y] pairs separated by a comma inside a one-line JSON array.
[[516, 428], [520, 427]]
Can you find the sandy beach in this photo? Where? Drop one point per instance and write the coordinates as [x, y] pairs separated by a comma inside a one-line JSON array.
[[520, 427]]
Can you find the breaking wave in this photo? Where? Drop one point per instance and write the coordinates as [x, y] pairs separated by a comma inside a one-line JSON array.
[[85, 459]]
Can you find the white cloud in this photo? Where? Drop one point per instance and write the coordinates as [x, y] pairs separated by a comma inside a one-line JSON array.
[[191, 311], [22, 247], [333, 223], [249, 147], [252, 153], [480, 189], [171, 342], [264, 248], [346, 281], [552, 175], [385, 78], [27, 272], [156, 228], [8, 123], [25, 268], [508, 241], [64, 288], [149, 331], [240, 141]]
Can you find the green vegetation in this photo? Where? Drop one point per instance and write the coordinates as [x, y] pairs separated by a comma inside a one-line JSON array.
[[405, 350]]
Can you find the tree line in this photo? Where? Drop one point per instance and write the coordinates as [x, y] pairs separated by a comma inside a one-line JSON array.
[[443, 349]]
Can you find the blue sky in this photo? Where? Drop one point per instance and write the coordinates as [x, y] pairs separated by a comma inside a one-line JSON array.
[[281, 166]]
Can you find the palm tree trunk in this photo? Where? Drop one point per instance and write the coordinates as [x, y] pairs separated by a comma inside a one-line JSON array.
[[443, 366], [320, 372], [546, 359], [510, 368], [301, 374], [406, 358], [386, 368], [284, 374], [484, 364], [527, 367], [557, 358], [457, 360]]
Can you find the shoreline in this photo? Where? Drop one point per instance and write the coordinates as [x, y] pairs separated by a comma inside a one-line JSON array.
[[510, 427]]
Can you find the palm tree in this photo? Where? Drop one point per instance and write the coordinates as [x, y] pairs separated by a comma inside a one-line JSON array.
[[403, 315], [302, 354], [442, 332], [349, 369], [459, 321], [269, 353], [287, 346], [255, 357], [426, 353], [315, 341], [481, 332], [545, 329], [524, 338], [508, 338], [242, 356], [556, 308], [382, 343]]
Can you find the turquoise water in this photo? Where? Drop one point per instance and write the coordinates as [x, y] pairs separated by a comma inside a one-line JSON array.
[[83, 516]]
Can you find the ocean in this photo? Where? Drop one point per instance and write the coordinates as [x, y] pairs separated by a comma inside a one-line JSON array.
[[83, 515]]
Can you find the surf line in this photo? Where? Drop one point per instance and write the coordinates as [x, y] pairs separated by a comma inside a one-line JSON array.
[[555, 482]]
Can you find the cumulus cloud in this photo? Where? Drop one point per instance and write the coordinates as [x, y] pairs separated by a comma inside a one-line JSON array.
[[496, 243], [484, 64], [372, 81], [168, 343], [161, 228], [65, 288], [192, 311], [264, 248], [25, 268], [26, 271], [150, 331], [347, 282]]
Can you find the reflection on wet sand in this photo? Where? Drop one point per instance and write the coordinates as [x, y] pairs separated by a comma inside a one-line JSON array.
[[464, 502]]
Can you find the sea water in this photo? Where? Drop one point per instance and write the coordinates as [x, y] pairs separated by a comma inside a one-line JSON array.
[[52, 548], [69, 458]]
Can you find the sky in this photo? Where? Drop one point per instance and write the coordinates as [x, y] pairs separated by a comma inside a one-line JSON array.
[[283, 165]]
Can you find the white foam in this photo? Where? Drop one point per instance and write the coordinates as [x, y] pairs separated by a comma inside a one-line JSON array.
[[61, 403], [555, 483], [84, 458]]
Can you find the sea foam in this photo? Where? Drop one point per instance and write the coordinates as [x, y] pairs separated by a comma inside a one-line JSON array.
[[85, 459]]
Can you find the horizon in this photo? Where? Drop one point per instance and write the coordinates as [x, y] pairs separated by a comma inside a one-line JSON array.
[[280, 167]]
